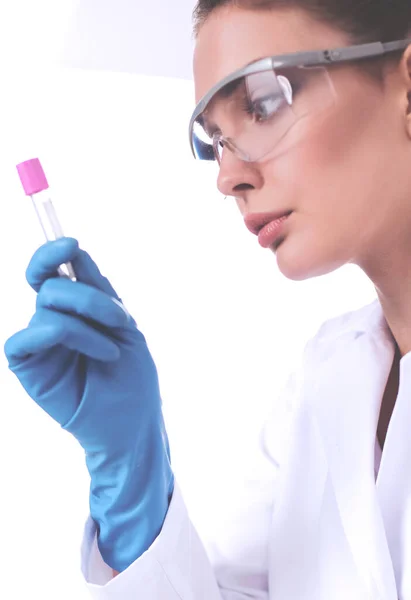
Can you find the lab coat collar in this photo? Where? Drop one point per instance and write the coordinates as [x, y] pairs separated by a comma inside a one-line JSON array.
[[369, 319], [347, 383]]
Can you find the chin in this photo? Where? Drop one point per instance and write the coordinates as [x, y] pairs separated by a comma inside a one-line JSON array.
[[302, 265]]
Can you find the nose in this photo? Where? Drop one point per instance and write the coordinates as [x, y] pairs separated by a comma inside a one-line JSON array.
[[236, 175]]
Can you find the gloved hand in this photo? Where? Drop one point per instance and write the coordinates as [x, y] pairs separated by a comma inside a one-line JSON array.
[[83, 360]]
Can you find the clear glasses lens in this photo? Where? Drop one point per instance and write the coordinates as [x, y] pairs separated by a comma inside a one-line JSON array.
[[252, 114]]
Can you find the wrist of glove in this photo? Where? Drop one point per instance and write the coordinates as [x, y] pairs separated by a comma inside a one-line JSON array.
[[129, 502], [132, 483], [83, 360]]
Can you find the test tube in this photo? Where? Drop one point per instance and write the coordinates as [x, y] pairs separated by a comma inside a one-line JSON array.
[[35, 185]]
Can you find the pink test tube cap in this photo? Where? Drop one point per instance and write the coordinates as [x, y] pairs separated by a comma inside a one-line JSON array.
[[32, 176]]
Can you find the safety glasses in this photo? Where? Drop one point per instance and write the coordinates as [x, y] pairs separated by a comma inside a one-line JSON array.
[[258, 104]]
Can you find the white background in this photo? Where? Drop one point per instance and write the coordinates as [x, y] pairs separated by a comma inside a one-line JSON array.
[[224, 326]]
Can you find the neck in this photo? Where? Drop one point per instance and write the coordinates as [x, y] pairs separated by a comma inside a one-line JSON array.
[[394, 292], [398, 317], [388, 266]]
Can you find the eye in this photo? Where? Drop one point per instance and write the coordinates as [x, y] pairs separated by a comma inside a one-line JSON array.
[[217, 140], [265, 107], [218, 145]]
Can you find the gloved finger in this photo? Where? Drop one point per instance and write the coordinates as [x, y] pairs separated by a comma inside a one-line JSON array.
[[88, 272], [77, 298], [47, 259], [48, 329]]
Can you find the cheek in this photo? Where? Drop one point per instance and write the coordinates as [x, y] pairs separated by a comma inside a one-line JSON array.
[[312, 168], [323, 177], [331, 162]]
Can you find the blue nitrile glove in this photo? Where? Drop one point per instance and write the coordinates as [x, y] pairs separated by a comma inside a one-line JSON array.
[[83, 360]]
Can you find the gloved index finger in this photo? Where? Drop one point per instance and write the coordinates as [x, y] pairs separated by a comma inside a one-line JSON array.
[[88, 272], [47, 259]]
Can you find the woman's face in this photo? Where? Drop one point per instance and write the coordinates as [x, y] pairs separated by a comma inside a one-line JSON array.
[[345, 173]]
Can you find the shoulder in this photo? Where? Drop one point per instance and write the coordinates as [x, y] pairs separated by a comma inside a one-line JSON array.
[[327, 340], [333, 339], [321, 346], [363, 319]]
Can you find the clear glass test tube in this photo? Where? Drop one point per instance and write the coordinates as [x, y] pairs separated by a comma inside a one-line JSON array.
[[36, 186]]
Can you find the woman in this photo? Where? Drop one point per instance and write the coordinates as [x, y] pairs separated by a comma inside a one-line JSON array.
[[323, 138]]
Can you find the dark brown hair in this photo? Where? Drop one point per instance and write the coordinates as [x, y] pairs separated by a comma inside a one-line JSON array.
[[362, 20]]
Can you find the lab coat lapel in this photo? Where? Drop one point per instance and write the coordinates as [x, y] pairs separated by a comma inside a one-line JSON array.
[[394, 482], [348, 385]]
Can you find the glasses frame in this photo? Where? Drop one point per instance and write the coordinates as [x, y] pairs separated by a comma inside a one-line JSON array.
[[313, 58]]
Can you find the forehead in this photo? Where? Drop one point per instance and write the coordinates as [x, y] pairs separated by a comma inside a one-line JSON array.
[[233, 37]]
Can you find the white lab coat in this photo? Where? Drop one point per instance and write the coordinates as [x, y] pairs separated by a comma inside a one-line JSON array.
[[312, 522]]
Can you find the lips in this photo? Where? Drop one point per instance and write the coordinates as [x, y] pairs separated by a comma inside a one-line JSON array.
[[256, 221]]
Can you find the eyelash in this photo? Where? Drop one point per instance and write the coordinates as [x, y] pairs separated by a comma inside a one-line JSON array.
[[248, 107]]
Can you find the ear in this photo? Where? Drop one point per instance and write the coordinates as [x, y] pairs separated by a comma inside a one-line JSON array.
[[405, 69]]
